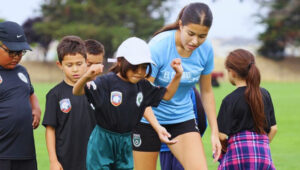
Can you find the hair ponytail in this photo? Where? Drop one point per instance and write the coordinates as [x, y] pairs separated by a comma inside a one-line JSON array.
[[243, 63], [173, 26], [254, 98]]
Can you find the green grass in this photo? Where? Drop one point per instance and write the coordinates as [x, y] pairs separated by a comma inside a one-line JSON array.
[[284, 148]]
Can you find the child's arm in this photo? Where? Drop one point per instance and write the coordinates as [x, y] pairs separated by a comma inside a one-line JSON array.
[[92, 72], [172, 87], [36, 111], [161, 131], [50, 141], [272, 132]]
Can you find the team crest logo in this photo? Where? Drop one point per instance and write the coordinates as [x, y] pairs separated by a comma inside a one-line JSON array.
[[65, 105], [136, 140], [23, 77], [1, 80], [116, 98], [139, 99]]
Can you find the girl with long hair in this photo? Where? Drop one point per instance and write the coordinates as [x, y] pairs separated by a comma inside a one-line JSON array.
[[246, 118]]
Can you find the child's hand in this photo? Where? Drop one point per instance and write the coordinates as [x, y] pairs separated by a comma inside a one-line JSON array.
[[176, 65], [94, 71], [164, 135], [55, 166]]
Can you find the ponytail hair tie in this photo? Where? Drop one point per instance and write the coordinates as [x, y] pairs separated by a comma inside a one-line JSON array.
[[249, 66]]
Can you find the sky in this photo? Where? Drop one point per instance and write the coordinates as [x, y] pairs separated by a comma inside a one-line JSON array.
[[231, 18]]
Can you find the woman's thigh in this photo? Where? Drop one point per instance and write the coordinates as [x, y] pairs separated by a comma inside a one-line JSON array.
[[189, 151]]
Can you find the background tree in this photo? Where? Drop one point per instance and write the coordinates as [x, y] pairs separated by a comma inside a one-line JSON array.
[[109, 22], [282, 27], [33, 37]]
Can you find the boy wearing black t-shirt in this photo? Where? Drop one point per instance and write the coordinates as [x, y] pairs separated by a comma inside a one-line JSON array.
[[68, 118]]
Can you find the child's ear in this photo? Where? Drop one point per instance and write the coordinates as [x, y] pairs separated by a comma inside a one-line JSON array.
[[59, 65]]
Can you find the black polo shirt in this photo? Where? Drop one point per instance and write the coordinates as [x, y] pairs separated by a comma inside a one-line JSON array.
[[235, 114], [120, 105], [16, 132], [73, 120]]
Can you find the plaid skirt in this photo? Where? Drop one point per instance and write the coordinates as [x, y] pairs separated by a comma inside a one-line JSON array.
[[247, 151]]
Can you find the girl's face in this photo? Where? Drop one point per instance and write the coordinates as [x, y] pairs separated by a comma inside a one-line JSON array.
[[137, 74], [192, 35]]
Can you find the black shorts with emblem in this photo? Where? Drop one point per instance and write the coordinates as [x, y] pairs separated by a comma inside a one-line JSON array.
[[145, 138]]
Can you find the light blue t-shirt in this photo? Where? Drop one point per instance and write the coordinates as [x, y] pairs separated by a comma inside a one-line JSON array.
[[200, 62]]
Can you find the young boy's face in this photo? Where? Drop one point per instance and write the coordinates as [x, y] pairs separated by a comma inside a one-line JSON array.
[[9, 61], [73, 66], [94, 59]]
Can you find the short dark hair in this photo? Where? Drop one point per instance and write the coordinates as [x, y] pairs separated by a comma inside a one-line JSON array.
[[122, 66], [70, 44], [94, 47]]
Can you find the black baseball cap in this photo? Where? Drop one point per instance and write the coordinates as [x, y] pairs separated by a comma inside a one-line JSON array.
[[13, 37]]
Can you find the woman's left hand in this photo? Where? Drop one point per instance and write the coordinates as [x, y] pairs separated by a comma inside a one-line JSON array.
[[164, 136], [216, 146]]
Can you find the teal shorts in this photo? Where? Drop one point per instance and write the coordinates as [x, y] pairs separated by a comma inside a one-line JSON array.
[[109, 150]]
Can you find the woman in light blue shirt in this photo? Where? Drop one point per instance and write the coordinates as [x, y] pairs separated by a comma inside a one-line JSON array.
[[184, 39]]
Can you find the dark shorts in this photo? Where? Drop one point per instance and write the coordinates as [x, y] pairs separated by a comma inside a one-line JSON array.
[[169, 162], [29, 164], [144, 137]]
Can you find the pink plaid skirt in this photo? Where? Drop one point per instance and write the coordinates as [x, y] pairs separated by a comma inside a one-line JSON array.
[[247, 151]]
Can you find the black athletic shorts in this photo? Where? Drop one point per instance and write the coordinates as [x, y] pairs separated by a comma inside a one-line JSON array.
[[144, 137], [28, 164]]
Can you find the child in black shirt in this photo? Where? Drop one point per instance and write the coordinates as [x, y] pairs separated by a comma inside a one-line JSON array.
[[120, 99], [68, 119], [246, 118]]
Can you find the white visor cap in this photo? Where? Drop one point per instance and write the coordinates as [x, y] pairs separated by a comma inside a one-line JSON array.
[[135, 51]]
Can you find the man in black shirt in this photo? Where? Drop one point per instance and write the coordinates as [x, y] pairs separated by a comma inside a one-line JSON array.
[[19, 108]]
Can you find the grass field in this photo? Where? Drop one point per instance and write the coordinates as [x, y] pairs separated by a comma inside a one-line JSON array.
[[285, 147]]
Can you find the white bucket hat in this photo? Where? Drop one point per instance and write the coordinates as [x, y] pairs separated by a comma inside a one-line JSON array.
[[135, 51]]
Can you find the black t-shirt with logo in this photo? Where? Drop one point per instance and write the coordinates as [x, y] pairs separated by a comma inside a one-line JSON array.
[[73, 120], [235, 114], [16, 132], [120, 105]]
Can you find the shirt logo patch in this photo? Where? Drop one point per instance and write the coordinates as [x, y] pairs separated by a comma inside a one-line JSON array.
[[65, 105], [136, 140], [1, 80], [116, 98], [22, 77], [139, 99]]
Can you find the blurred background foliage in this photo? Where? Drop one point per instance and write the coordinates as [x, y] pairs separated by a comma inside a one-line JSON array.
[[111, 22]]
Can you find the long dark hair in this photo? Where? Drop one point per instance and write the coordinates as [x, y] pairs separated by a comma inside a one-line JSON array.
[[195, 13], [122, 66], [243, 63]]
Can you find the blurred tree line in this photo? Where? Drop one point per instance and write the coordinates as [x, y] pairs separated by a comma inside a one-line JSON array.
[[110, 22], [282, 27]]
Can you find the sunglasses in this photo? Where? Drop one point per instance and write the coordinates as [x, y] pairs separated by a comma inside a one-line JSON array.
[[13, 54]]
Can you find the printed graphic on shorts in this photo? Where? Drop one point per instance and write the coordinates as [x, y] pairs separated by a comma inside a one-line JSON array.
[[91, 84], [116, 98], [136, 140], [1, 80], [139, 99], [23, 77], [65, 105]]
